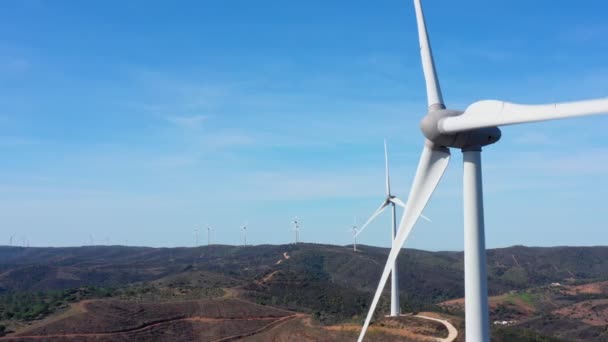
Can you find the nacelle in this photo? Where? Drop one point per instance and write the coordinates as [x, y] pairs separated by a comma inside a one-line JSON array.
[[464, 140]]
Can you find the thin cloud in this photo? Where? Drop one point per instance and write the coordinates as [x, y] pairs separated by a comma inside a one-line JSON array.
[[584, 34], [228, 139], [193, 122], [14, 65], [13, 141]]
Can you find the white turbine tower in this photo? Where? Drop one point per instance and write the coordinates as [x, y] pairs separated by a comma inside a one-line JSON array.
[[296, 229], [10, 241], [209, 229], [469, 131], [196, 237], [355, 233], [244, 232], [392, 201]]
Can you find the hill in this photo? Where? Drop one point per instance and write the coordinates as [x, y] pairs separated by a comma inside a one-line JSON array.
[[330, 283]]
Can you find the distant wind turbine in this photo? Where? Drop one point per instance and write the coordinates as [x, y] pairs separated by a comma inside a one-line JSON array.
[[244, 232], [196, 237], [209, 229], [10, 241], [296, 229], [355, 233], [392, 201]]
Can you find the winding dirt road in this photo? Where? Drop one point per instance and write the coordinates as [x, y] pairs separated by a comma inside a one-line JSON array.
[[452, 332]]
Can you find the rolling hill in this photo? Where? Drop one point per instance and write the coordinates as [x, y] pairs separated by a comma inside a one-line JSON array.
[[331, 284]]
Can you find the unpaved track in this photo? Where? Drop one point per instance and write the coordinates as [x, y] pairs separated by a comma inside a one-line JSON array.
[[268, 326], [274, 321], [452, 332]]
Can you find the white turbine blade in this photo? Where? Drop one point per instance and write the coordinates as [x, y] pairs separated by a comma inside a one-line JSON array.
[[433, 91], [432, 165], [371, 218], [490, 113], [402, 205], [388, 178], [398, 202]]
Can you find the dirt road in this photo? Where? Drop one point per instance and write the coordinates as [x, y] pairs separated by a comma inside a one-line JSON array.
[[452, 332]]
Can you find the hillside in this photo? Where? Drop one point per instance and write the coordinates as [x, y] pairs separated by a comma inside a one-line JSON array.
[[332, 284]]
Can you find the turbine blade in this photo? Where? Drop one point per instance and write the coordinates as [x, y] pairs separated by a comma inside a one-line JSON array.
[[388, 178], [432, 165], [433, 91], [374, 215], [490, 113], [398, 202], [402, 205], [426, 218]]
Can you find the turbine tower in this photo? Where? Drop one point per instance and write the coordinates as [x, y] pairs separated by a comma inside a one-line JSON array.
[[392, 201], [355, 232], [469, 131], [244, 232], [209, 229], [296, 229], [10, 241], [196, 237]]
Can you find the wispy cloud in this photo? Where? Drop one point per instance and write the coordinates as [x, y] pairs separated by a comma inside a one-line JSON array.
[[193, 122], [226, 139], [534, 138], [12, 66], [13, 141], [584, 34]]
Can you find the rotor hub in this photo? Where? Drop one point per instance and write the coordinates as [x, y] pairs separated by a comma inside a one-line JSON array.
[[475, 138]]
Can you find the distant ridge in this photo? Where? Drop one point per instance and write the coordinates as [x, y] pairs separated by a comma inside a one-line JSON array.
[[44, 268]]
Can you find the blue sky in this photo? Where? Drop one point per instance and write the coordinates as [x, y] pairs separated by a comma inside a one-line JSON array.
[[138, 121]]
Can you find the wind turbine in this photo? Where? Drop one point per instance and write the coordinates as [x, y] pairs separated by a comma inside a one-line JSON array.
[[469, 131], [296, 229], [209, 229], [244, 231], [355, 233], [196, 237], [10, 241], [392, 201]]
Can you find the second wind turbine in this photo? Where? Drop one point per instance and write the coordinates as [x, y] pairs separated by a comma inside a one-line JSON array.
[[391, 201], [296, 229]]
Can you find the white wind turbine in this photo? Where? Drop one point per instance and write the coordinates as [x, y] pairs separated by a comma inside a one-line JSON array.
[[391, 201], [209, 229], [355, 232], [196, 237], [296, 229], [244, 232], [469, 131]]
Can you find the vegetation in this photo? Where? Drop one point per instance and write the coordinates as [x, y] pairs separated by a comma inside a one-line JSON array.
[[27, 306], [509, 334], [526, 297], [331, 283], [153, 293]]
